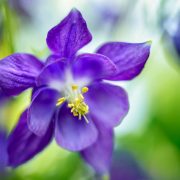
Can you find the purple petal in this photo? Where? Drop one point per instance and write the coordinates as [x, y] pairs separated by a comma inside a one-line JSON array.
[[21, 8], [99, 155], [52, 74], [108, 104], [41, 110], [3, 96], [73, 134], [53, 58], [69, 35], [18, 72], [93, 67], [129, 58], [3, 150], [126, 167], [23, 145]]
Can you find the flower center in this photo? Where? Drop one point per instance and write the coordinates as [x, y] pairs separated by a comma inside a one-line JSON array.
[[75, 100]]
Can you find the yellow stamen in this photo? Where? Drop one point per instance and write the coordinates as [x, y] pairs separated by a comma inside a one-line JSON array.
[[70, 105], [79, 117], [81, 97], [79, 107], [74, 87], [60, 101], [76, 102], [86, 119], [84, 89]]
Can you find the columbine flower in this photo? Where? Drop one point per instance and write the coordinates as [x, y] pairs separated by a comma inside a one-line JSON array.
[[21, 7], [125, 166], [108, 15], [3, 150], [70, 100], [3, 97], [175, 36]]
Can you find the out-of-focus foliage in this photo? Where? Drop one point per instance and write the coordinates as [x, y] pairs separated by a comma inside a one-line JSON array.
[[150, 134]]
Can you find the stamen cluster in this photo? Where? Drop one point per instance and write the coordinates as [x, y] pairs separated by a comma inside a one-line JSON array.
[[76, 102]]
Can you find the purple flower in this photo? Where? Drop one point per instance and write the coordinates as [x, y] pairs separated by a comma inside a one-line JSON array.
[[125, 166], [176, 37], [70, 100], [3, 150], [3, 97], [107, 16], [21, 7]]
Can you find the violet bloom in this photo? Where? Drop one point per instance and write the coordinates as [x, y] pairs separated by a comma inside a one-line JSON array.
[[176, 37], [70, 100], [126, 167], [107, 15], [3, 151], [21, 7], [3, 97]]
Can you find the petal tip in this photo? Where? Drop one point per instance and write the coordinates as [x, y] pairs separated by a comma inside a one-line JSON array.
[[149, 42], [74, 10], [70, 35]]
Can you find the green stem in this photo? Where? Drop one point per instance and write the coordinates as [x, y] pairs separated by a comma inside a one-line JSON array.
[[7, 28]]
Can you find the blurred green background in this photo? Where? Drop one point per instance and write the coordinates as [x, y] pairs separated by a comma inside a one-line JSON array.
[[147, 143]]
